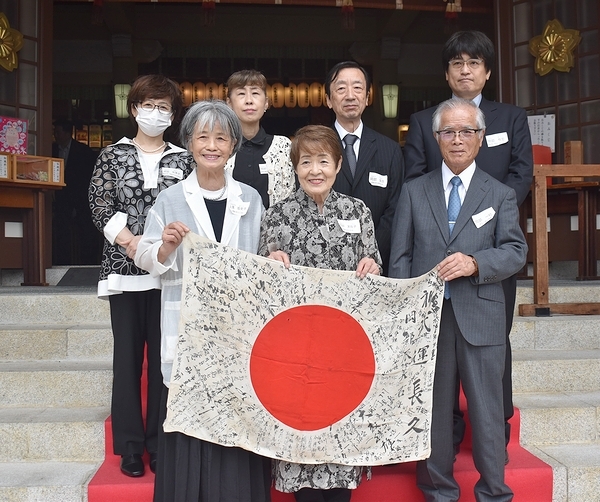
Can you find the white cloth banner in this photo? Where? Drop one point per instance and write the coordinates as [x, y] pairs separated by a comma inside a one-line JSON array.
[[304, 365]]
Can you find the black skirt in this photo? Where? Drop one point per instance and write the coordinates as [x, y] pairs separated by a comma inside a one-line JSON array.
[[192, 470]]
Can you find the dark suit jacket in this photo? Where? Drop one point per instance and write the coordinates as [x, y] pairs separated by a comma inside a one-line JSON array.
[[382, 157], [421, 239], [510, 162], [78, 172]]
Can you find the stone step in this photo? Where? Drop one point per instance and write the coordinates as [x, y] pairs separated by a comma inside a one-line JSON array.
[[576, 469], [45, 481], [561, 291], [56, 383], [556, 370], [52, 305], [559, 417], [52, 434], [559, 332], [55, 341]]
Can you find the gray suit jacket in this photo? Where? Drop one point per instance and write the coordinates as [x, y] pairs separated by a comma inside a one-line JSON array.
[[421, 239]]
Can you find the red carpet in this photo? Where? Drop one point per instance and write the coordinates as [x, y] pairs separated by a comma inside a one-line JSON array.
[[529, 478]]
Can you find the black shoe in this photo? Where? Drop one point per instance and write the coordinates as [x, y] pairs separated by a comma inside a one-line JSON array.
[[456, 451], [153, 457], [132, 465]]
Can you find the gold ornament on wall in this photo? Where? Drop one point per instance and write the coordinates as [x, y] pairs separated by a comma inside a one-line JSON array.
[[11, 42], [554, 48]]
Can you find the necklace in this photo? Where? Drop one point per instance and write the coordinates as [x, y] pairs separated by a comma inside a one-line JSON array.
[[220, 194], [148, 151]]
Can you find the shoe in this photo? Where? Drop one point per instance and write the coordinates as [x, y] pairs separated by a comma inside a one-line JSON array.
[[506, 459], [153, 457], [132, 465]]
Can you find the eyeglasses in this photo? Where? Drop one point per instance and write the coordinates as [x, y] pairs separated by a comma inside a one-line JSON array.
[[463, 134], [149, 107], [472, 64]]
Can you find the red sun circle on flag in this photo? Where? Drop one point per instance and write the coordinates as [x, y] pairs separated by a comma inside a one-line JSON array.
[[311, 366]]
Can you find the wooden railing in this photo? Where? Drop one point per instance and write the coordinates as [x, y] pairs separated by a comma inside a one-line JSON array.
[[587, 210]]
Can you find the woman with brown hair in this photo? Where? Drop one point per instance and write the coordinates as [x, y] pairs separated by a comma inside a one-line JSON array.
[[127, 178]]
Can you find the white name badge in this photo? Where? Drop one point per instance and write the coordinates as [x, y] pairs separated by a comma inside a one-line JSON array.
[[378, 180], [172, 172], [350, 226], [239, 208], [482, 218], [263, 168], [496, 139]]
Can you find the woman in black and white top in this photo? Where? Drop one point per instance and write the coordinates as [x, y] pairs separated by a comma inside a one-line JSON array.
[[263, 161], [127, 178]]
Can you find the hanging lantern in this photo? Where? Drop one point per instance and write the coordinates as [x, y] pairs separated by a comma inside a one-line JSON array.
[[186, 93], [348, 14], [453, 7], [370, 97], [291, 96], [121, 92], [302, 95], [211, 91], [208, 12], [222, 92], [269, 94], [389, 94], [278, 95], [199, 90], [316, 94]]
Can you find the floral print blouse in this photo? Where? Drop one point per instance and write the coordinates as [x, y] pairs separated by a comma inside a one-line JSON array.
[[337, 239], [118, 198]]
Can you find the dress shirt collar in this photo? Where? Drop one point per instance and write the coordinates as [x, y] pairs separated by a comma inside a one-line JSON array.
[[259, 139], [342, 132], [465, 177], [477, 99]]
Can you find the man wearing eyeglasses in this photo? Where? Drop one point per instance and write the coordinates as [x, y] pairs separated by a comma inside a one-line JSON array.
[[468, 58], [461, 220]]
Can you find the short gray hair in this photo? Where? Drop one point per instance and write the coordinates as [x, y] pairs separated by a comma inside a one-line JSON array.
[[453, 104], [207, 114]]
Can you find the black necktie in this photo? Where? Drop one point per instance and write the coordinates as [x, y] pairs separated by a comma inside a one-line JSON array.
[[349, 140]]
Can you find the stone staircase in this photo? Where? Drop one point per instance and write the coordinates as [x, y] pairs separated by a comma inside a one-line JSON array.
[[55, 385], [556, 384], [55, 379]]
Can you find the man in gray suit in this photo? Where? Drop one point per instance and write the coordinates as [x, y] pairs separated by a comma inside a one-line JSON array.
[[473, 249]]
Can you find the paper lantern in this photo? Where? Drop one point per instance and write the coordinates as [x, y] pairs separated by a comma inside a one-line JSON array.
[[199, 90], [290, 96], [389, 94], [121, 92], [186, 93], [222, 92], [302, 95], [211, 91], [316, 94], [278, 95]]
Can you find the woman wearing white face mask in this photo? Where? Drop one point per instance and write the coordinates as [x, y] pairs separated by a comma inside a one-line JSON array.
[[127, 178]]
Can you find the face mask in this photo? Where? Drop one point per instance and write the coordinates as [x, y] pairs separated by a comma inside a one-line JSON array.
[[152, 123]]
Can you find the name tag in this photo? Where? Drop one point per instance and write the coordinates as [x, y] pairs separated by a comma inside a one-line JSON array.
[[378, 180], [172, 172], [263, 168], [350, 226], [496, 139], [482, 218], [239, 208]]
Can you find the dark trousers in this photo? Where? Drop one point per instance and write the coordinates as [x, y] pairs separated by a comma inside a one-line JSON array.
[[135, 320], [333, 495], [480, 368], [510, 295]]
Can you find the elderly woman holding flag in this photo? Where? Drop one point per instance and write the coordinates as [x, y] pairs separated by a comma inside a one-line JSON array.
[[317, 227], [209, 202]]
